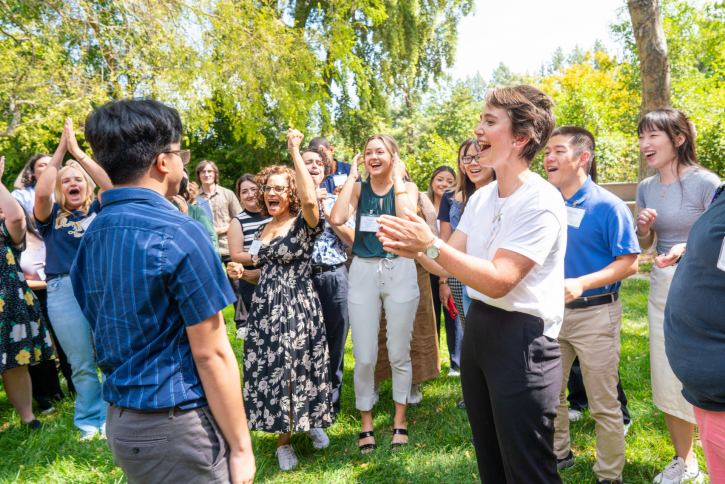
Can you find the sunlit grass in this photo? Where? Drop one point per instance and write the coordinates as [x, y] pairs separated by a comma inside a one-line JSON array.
[[440, 450]]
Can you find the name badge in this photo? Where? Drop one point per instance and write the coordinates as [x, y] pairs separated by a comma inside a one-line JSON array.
[[88, 221], [41, 274], [254, 249], [574, 216], [369, 224], [721, 260], [339, 180]]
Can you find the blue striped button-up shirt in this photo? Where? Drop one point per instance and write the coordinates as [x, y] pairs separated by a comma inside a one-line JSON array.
[[144, 271]]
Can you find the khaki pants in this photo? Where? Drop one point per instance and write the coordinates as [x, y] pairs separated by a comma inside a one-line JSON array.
[[592, 334]]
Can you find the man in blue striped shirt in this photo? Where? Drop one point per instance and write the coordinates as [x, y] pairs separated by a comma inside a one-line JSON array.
[[152, 288]]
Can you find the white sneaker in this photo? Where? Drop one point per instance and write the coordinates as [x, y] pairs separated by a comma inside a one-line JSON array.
[[677, 472], [241, 333], [453, 373], [88, 435], [376, 394], [574, 415], [48, 411], [320, 440], [287, 457], [415, 395]]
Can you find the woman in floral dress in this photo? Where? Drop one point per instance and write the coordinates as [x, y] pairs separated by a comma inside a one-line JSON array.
[[23, 338], [285, 352]]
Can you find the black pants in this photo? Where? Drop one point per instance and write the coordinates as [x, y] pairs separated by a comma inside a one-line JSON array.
[[331, 288], [577, 397], [511, 376], [44, 376], [235, 287], [244, 303], [454, 332]]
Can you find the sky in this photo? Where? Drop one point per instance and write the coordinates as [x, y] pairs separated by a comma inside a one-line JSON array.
[[524, 33]]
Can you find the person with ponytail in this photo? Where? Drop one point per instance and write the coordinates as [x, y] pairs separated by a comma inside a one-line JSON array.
[[668, 204]]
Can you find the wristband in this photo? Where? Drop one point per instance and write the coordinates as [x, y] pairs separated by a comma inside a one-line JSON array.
[[643, 236], [441, 282], [401, 193]]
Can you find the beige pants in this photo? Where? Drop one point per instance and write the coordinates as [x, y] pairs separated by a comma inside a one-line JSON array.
[[593, 334], [374, 284], [666, 388]]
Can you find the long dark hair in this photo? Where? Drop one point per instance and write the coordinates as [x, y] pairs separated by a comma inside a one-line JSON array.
[[673, 122], [28, 178], [442, 168]]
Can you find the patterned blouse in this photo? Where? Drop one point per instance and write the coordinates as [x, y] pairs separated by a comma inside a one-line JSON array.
[[329, 249]]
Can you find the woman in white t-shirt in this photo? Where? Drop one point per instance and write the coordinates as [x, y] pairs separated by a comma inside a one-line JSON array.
[[509, 250]]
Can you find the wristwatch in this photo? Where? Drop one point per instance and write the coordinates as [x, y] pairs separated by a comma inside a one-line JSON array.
[[432, 250]]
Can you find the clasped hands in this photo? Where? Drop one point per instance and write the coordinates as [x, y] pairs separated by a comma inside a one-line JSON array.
[[407, 237]]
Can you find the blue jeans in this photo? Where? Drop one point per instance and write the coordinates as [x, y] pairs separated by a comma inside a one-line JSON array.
[[74, 335], [466, 301]]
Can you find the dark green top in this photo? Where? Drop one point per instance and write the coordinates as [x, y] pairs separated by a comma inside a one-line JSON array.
[[197, 213], [367, 244]]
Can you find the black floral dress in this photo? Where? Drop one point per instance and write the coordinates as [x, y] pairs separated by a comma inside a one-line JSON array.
[[286, 339], [24, 339]]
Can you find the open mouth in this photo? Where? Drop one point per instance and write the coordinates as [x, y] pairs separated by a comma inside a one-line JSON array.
[[273, 204], [74, 192], [649, 154], [552, 169], [485, 145], [474, 170], [375, 164]]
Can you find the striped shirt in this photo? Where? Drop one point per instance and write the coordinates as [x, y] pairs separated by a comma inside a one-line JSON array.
[[250, 222], [144, 271]]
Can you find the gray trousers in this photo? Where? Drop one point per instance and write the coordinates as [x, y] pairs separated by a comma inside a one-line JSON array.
[[179, 446]]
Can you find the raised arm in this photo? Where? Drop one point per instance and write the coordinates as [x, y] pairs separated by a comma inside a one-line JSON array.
[[14, 214], [406, 193], [93, 169], [46, 183], [347, 200], [305, 186]]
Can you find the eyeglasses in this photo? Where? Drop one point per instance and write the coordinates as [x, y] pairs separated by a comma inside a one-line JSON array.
[[185, 155], [468, 159], [276, 188]]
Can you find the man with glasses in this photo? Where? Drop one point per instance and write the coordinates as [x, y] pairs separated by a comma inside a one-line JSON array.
[[601, 250], [153, 290]]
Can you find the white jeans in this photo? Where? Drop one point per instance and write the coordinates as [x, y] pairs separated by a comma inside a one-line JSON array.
[[374, 284], [666, 388]]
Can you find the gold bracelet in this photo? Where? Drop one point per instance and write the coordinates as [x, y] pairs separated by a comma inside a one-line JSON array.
[[401, 193]]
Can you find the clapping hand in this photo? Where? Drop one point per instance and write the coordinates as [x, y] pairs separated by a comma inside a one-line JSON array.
[[406, 238]]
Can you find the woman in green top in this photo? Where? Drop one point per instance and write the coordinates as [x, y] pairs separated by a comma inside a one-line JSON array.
[[379, 279], [185, 204]]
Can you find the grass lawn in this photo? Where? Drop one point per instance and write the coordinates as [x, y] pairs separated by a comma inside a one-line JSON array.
[[441, 449]]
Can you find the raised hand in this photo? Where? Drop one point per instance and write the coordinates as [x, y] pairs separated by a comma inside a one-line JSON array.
[[321, 194], [398, 167], [357, 161], [70, 136], [2, 167], [645, 219], [294, 139]]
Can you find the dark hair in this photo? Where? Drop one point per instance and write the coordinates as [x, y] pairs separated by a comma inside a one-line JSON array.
[[184, 186], [531, 113], [30, 224], [325, 160], [673, 122], [238, 184], [463, 183], [582, 140], [438, 170], [28, 178], [319, 141], [126, 136], [295, 205], [202, 164]]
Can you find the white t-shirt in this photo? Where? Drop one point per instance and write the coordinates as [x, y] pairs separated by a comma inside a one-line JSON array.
[[533, 224]]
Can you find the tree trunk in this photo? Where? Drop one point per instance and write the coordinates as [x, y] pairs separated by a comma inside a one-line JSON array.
[[653, 63]]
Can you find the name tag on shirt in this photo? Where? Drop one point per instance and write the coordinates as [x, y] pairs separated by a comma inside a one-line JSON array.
[[339, 180], [721, 260], [369, 224], [254, 249], [88, 221], [574, 216]]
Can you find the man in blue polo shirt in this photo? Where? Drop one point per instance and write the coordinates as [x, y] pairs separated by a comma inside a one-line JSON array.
[[340, 169], [152, 288], [601, 250]]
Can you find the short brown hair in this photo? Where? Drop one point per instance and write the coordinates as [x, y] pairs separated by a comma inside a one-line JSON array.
[[582, 140], [202, 164], [295, 205], [531, 113], [325, 160]]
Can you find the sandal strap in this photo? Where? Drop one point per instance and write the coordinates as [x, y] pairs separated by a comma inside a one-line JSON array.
[[367, 447], [400, 431], [366, 434]]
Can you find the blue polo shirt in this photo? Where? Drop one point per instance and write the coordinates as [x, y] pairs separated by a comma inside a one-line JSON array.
[[143, 273], [605, 232], [342, 169]]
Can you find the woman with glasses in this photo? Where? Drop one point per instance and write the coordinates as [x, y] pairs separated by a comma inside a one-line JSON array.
[[62, 224], [509, 251], [286, 362], [379, 279]]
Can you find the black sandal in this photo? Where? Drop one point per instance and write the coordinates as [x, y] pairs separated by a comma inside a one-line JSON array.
[[367, 448], [398, 445]]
